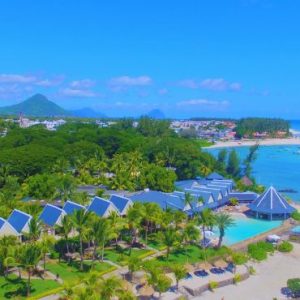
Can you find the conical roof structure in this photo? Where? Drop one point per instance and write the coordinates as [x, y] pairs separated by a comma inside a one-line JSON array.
[[271, 202]]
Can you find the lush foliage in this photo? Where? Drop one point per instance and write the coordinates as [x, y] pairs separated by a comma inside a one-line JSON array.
[[285, 246], [259, 251], [249, 126], [296, 215], [294, 285]]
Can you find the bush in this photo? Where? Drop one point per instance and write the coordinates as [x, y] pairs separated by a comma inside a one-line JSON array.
[[285, 247], [268, 247], [213, 285], [256, 252], [294, 285], [252, 271], [233, 201], [239, 258], [237, 278], [296, 215]]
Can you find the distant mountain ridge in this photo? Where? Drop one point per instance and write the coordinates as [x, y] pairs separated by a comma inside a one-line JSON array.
[[39, 106], [156, 114]]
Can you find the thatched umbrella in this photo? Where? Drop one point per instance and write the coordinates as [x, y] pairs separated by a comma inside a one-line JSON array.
[[220, 264], [204, 266], [189, 268], [146, 291]]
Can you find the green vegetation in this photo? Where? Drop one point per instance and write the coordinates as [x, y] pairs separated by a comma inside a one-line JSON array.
[[294, 285], [296, 215], [13, 287], [239, 258], [213, 285], [249, 126], [285, 246], [259, 251], [237, 278]]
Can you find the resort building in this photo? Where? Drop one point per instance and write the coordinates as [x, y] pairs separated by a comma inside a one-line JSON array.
[[52, 215], [19, 220], [271, 205], [102, 207], [243, 197], [214, 176], [6, 229], [121, 203], [164, 200], [70, 207]]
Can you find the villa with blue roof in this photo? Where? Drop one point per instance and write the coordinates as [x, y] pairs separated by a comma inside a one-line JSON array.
[[70, 207], [215, 176], [102, 207], [19, 220], [52, 215], [6, 229], [271, 205], [121, 203]]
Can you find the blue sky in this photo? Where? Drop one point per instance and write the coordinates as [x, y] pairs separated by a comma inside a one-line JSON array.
[[189, 58]]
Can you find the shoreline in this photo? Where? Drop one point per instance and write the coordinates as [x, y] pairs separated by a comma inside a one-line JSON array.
[[264, 142]]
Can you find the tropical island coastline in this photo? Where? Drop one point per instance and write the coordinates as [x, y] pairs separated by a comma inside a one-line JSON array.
[[251, 142]]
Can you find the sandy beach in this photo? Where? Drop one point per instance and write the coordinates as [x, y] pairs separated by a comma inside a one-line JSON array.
[[265, 142]]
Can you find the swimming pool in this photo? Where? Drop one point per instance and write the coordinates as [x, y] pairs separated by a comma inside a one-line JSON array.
[[246, 228], [296, 230]]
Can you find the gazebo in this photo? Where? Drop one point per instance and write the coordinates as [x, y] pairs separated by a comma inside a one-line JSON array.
[[271, 205]]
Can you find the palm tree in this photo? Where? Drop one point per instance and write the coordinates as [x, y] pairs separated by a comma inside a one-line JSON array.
[[179, 272], [101, 232], [190, 233], [29, 258], [35, 229], [7, 262], [206, 219], [169, 238], [80, 219], [134, 264], [223, 221], [135, 215], [188, 200], [65, 229], [152, 215], [116, 224], [46, 244], [110, 288], [7, 247]]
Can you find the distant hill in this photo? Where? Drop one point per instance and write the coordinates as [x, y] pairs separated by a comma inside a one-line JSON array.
[[39, 106], [87, 112], [156, 114], [35, 106]]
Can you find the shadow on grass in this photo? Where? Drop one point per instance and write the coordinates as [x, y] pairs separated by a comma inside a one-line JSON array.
[[15, 287]]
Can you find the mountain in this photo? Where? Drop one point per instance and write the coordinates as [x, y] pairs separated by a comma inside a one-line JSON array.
[[35, 106], [156, 114], [87, 112]]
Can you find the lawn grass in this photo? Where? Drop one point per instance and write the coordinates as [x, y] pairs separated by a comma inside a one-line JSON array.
[[192, 254], [121, 256], [71, 273], [15, 288], [154, 242]]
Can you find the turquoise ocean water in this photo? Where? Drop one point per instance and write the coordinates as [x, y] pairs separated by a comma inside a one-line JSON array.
[[276, 165]]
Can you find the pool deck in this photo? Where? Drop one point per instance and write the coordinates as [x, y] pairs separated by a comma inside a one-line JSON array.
[[271, 276], [284, 228]]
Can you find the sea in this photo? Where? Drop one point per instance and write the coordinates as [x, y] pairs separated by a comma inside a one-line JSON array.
[[276, 165]]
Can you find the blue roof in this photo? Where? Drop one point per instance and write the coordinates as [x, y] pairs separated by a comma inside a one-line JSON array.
[[119, 202], [196, 193], [2, 222], [50, 215], [164, 200], [71, 206], [99, 206], [271, 202], [214, 176], [222, 188], [246, 196], [18, 220], [186, 184]]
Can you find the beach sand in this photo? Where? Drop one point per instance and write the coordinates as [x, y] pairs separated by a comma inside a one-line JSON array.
[[265, 142]]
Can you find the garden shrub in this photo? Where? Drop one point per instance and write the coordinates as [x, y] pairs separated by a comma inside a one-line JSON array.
[[258, 251], [252, 271], [296, 215], [294, 285], [213, 285], [237, 278], [239, 258], [285, 247]]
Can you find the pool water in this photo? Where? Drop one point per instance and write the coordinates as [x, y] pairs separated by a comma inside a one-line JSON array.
[[246, 228], [296, 229]]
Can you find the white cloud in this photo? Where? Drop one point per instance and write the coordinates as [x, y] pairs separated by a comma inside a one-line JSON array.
[[214, 84], [163, 91], [122, 82], [203, 102], [16, 78], [84, 83], [69, 92]]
